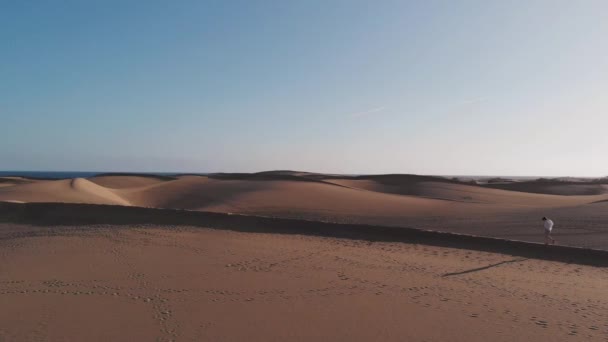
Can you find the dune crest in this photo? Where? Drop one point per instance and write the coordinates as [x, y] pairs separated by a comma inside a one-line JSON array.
[[127, 181], [77, 190], [91, 189]]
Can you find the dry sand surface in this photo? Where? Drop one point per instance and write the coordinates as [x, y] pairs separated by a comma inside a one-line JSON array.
[[164, 283], [509, 210]]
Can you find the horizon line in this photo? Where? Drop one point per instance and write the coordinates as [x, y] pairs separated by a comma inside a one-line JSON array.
[[288, 170]]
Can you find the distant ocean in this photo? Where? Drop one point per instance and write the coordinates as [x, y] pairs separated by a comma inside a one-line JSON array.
[[69, 174]]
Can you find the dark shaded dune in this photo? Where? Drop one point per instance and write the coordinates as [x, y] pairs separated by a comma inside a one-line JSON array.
[[289, 173], [429, 189], [123, 181], [128, 174], [401, 184], [34, 178], [395, 179], [415, 185], [14, 180], [263, 176], [438, 188], [553, 188], [398, 178], [191, 192], [396, 183]]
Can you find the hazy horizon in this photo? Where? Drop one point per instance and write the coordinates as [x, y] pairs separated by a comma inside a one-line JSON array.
[[348, 87], [92, 173]]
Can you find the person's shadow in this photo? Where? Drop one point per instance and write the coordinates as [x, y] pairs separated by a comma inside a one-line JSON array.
[[484, 268]]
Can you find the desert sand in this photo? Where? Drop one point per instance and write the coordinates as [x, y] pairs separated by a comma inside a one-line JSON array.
[[285, 257], [185, 283], [510, 210]]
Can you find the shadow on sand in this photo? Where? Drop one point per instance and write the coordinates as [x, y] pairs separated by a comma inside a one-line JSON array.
[[485, 267], [51, 216]]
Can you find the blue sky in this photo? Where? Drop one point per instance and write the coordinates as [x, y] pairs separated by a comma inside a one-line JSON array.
[[430, 87]]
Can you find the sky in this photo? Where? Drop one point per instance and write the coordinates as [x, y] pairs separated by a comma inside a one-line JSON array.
[[429, 87]]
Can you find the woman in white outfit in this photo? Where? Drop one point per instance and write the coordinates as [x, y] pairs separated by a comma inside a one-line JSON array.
[[548, 228]]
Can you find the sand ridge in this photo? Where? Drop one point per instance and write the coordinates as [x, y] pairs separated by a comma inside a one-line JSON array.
[[294, 191]]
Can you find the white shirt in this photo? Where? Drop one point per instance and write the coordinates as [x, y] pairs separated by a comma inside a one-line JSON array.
[[548, 225]]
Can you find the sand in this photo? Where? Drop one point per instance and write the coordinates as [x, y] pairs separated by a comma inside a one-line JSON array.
[[184, 283], [116, 258], [506, 210]]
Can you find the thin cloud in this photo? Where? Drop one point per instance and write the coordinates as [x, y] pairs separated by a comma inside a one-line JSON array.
[[472, 101], [368, 112]]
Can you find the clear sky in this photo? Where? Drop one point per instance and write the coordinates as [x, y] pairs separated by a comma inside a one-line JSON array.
[[430, 87]]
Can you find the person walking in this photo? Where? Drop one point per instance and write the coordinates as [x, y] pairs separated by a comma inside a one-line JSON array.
[[548, 229]]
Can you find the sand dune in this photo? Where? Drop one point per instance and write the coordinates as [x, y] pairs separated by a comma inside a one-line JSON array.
[[274, 198], [553, 188], [77, 190], [410, 184], [396, 200], [269, 192], [122, 182], [93, 190], [189, 192], [9, 181], [463, 192], [203, 193]]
